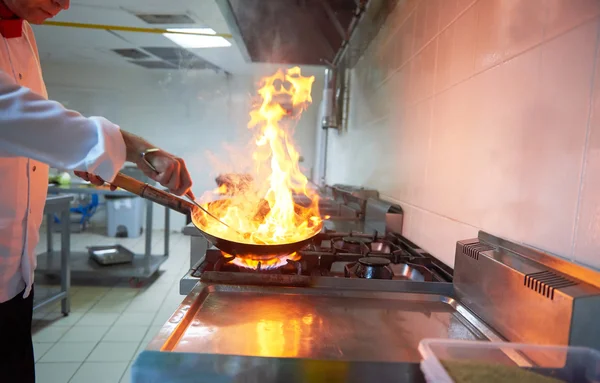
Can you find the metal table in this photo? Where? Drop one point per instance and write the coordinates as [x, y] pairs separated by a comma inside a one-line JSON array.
[[60, 205], [143, 265]]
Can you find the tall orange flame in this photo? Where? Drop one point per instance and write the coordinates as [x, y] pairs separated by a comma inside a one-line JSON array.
[[263, 206]]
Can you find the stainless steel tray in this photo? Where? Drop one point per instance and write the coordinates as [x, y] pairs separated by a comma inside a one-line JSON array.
[[314, 323], [110, 255]]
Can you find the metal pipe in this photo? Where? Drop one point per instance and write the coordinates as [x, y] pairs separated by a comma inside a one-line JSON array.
[[329, 120], [332, 108], [324, 169], [360, 10]]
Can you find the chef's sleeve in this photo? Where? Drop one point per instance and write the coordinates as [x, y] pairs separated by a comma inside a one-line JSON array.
[[44, 130]]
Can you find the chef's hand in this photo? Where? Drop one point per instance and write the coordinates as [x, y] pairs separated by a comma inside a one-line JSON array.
[[95, 180], [167, 169]]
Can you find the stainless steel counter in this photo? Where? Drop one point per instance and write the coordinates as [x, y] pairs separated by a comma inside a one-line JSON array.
[[319, 322]]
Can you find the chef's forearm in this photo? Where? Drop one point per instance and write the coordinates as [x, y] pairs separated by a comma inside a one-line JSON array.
[[134, 145], [34, 127]]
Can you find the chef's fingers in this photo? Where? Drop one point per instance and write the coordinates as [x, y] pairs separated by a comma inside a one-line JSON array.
[[96, 180], [174, 179], [83, 175], [165, 174], [185, 181], [147, 170]]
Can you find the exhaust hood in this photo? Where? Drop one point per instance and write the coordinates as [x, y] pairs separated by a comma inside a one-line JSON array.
[[298, 32]]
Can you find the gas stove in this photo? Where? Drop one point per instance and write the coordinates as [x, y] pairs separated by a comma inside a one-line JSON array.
[[331, 254], [361, 239]]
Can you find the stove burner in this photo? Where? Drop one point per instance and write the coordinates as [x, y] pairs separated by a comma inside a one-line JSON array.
[[357, 240], [359, 245], [262, 262], [374, 261], [370, 268]]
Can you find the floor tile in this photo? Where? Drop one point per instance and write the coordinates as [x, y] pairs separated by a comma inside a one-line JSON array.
[[85, 334], [135, 319], [121, 292], [49, 334], [39, 349], [98, 319], [91, 295], [79, 306], [162, 317], [55, 372], [39, 314], [114, 352], [95, 372], [69, 352], [126, 334], [110, 306], [146, 305], [59, 319], [152, 332]]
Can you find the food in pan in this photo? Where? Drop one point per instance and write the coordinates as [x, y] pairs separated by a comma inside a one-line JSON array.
[[262, 203]]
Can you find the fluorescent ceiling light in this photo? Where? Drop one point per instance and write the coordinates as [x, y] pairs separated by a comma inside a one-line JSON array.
[[195, 41]]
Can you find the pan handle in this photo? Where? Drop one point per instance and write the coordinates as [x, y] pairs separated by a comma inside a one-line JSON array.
[[153, 194]]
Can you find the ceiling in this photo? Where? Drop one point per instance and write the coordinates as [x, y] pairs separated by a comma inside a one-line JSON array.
[[284, 32], [303, 32], [75, 45]]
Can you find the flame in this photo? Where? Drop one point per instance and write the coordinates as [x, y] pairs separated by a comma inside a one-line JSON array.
[[261, 207], [266, 263]]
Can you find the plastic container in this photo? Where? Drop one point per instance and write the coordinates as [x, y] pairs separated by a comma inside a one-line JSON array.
[[124, 216], [445, 357]]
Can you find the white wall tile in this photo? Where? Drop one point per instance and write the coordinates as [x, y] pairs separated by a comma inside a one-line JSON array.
[[490, 34], [422, 79], [554, 140], [463, 46], [587, 234], [420, 27], [523, 25], [440, 237], [562, 15], [448, 10], [444, 60], [405, 40], [495, 139]]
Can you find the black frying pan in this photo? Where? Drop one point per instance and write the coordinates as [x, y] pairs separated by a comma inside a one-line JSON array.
[[198, 216]]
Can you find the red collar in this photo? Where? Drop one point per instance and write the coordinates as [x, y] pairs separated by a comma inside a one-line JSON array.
[[10, 25]]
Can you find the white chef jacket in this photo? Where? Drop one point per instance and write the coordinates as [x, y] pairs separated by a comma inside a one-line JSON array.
[[34, 134]]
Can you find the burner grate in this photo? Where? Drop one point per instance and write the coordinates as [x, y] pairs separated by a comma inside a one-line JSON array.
[[336, 254]]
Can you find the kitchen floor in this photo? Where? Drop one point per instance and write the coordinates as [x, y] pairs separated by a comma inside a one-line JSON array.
[[109, 325]]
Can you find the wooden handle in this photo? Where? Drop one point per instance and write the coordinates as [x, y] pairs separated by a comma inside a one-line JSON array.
[[130, 184], [151, 193]]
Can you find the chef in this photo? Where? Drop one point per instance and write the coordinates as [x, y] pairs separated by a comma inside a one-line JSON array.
[[36, 133]]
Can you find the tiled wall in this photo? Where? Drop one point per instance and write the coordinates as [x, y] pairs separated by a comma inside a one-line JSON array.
[[486, 114]]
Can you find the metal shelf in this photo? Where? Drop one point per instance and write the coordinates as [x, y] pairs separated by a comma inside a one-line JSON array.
[[82, 266]]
